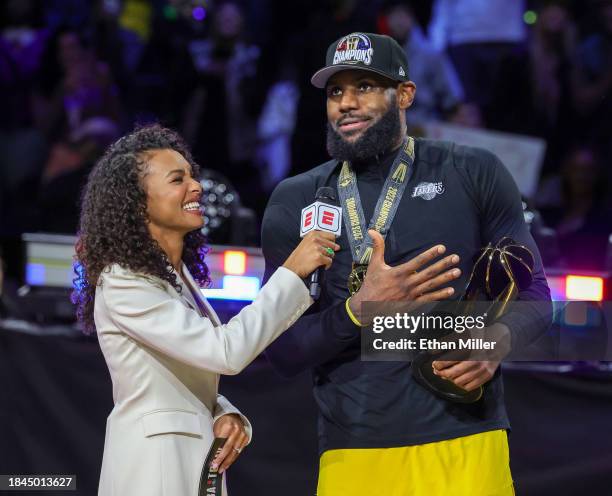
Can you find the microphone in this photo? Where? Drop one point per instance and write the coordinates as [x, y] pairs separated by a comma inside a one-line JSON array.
[[323, 215]]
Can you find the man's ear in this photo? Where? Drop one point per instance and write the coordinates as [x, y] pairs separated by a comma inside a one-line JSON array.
[[405, 94]]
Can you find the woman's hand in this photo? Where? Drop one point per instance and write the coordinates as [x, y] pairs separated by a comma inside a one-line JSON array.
[[231, 427], [316, 249]]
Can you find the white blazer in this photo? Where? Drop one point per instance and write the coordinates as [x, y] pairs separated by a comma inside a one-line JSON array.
[[164, 359]]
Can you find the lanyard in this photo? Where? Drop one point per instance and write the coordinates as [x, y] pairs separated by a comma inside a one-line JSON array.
[[386, 207]]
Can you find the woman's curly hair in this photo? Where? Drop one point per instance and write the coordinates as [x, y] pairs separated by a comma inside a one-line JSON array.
[[113, 220]]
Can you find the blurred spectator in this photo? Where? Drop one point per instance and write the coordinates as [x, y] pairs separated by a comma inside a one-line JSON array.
[[65, 174], [22, 147], [159, 73], [532, 95], [225, 109], [22, 43], [593, 80], [479, 35], [117, 41], [275, 128], [135, 22], [439, 91], [77, 86], [582, 220], [247, 105]]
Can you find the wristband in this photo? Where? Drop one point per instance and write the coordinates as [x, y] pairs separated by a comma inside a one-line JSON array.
[[350, 313]]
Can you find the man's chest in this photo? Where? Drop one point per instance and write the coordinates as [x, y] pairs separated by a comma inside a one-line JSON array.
[[435, 207], [432, 210]]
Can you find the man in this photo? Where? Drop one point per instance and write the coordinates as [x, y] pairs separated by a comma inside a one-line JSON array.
[[478, 35], [454, 196]]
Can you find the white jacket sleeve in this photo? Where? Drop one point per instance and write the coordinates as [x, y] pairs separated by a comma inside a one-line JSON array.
[[151, 315], [224, 407]]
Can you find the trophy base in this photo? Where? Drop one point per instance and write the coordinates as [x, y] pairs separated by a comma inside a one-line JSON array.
[[422, 371]]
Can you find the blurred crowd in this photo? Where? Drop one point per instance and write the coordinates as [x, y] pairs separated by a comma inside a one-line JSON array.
[[234, 78]]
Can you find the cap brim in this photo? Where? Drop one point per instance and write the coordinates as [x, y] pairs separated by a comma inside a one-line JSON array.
[[320, 78]]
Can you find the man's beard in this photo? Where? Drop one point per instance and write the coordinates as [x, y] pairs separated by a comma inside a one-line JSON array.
[[376, 140]]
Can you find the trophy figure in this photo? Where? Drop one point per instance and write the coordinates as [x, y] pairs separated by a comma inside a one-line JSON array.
[[499, 272]]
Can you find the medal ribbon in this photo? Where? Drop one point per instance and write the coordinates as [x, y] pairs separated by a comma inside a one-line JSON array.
[[386, 206]]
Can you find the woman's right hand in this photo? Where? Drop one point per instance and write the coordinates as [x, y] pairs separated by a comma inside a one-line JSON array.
[[312, 253]]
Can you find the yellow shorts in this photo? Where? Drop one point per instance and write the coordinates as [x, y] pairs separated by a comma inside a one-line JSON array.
[[476, 465]]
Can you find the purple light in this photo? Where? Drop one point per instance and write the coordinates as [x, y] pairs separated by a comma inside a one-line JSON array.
[[198, 13]]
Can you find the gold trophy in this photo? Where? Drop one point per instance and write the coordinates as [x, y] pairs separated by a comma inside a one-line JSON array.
[[499, 272]]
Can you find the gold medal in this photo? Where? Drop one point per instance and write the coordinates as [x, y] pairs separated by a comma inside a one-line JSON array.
[[356, 277]]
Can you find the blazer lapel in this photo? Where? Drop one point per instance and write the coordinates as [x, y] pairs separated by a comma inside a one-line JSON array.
[[184, 295], [211, 314]]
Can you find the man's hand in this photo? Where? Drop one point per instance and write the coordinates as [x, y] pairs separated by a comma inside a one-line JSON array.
[[466, 374], [405, 282], [470, 374], [231, 427]]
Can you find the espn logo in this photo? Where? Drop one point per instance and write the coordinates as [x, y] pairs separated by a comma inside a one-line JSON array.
[[308, 219], [321, 217], [328, 217]]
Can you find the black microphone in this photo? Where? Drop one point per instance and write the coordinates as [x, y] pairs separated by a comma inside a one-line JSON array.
[[323, 215]]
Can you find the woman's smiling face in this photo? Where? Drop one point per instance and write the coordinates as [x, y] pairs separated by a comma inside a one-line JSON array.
[[173, 195]]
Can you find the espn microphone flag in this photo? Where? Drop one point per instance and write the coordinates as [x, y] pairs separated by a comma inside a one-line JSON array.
[[321, 216]]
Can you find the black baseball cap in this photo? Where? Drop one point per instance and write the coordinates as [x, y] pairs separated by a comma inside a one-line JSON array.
[[366, 51]]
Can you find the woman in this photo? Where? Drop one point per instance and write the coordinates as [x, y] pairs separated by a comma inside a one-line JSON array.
[[142, 259]]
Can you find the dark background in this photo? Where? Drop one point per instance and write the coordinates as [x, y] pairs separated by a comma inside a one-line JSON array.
[[233, 78], [57, 394]]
